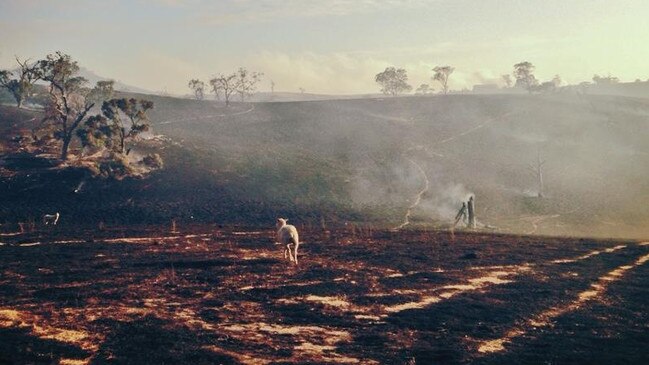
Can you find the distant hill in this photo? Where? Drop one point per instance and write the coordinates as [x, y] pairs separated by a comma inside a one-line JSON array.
[[92, 78], [370, 159], [280, 96], [639, 89]]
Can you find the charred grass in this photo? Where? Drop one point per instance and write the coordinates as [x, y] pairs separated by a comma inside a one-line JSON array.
[[208, 295]]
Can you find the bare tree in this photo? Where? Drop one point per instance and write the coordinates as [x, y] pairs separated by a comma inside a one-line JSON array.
[[393, 81], [247, 82], [537, 170], [442, 73], [70, 101], [524, 74], [20, 87], [198, 88], [225, 85]]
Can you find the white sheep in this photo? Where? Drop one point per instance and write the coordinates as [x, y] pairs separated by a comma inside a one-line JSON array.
[[51, 219], [287, 235]]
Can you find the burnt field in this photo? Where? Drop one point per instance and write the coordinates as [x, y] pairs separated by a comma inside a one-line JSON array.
[[210, 295]]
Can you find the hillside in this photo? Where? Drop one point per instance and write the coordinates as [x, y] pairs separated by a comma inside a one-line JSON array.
[[369, 160]]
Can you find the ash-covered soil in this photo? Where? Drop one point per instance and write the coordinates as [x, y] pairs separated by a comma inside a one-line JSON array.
[[211, 295]]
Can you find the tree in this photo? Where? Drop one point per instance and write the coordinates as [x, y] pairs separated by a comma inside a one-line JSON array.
[[442, 73], [524, 74], [21, 86], [393, 81], [546, 87], [424, 89], [109, 129], [224, 84], [198, 88], [537, 170], [69, 101], [508, 80], [583, 87], [247, 82], [605, 80]]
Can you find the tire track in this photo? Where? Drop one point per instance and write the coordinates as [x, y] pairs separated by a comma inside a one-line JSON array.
[[406, 220], [536, 221], [202, 117], [473, 129], [544, 319], [492, 275], [589, 255]]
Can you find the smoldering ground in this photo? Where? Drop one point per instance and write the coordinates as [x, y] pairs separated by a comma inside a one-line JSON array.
[[351, 159]]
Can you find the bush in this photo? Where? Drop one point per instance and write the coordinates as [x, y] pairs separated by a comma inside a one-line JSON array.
[[115, 166], [153, 160]]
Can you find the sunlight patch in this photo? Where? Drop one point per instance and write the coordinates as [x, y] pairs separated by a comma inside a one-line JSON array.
[[331, 301], [589, 255], [546, 317], [449, 291]]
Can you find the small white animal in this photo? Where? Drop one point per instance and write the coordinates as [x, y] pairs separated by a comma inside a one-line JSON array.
[[287, 235], [51, 218]]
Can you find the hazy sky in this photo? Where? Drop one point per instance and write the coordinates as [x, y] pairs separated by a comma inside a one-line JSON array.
[[334, 46]]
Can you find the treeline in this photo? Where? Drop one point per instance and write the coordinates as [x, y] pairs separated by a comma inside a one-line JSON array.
[[242, 83], [394, 81]]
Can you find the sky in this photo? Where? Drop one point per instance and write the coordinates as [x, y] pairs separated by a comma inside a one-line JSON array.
[[331, 46]]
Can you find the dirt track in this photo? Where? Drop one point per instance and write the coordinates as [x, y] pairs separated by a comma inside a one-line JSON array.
[[209, 296]]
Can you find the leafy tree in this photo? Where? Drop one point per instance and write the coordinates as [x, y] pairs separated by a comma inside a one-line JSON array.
[[508, 80], [583, 87], [121, 120], [393, 81], [424, 89], [442, 73], [246, 82], [605, 80], [198, 88], [20, 87], [546, 87], [69, 99], [524, 74], [224, 84]]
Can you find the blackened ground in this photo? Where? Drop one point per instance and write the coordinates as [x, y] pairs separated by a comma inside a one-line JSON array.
[[208, 294]]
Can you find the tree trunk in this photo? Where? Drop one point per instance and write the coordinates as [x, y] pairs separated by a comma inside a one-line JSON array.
[[471, 210], [66, 145], [539, 173], [121, 142]]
